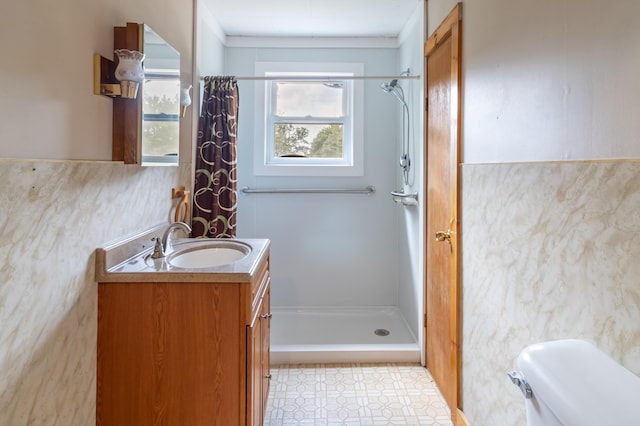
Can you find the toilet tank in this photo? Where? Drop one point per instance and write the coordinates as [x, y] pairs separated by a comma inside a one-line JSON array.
[[574, 383]]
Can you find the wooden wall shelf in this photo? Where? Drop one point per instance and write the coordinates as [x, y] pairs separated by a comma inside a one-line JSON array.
[[127, 113]]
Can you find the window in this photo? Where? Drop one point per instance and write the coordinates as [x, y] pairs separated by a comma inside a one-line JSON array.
[[308, 122], [306, 119], [160, 119]]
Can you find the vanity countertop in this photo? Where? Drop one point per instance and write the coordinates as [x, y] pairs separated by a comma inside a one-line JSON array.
[[124, 260]]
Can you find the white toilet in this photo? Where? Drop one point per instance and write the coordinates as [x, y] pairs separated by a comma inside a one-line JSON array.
[[571, 382]]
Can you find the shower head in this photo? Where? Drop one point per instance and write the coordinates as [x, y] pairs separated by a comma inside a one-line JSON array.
[[388, 87], [395, 89]]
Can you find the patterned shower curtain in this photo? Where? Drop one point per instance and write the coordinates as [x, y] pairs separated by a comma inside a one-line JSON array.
[[215, 194]]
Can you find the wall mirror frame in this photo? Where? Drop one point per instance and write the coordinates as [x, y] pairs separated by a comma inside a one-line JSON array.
[[146, 130]]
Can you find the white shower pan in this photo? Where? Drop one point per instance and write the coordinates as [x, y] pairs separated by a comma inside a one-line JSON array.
[[302, 335]]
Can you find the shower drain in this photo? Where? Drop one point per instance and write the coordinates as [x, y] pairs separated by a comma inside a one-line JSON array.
[[381, 332]]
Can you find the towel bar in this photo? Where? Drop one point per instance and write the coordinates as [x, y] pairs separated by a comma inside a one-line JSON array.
[[367, 190]]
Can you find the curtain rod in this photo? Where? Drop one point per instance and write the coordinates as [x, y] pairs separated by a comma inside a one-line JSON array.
[[327, 77]]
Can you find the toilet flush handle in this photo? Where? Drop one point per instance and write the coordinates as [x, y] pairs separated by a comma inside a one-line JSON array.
[[520, 382]]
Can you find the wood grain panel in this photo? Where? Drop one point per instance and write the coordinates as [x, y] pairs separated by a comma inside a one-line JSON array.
[[127, 113], [168, 354], [266, 346], [443, 53], [254, 417], [438, 216], [117, 137], [258, 346]]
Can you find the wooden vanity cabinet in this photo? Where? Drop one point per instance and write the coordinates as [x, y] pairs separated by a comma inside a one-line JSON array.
[[185, 353]]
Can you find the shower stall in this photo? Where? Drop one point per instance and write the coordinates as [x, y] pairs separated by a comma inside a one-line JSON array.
[[343, 277], [355, 333], [335, 278]]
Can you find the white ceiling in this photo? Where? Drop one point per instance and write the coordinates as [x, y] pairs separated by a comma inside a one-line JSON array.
[[312, 18]]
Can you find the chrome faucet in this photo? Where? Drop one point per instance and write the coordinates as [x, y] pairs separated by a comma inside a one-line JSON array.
[[163, 246]]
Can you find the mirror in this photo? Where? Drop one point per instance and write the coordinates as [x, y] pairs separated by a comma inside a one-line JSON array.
[[160, 130]]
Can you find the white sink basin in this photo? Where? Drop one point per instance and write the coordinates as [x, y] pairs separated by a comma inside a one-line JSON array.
[[199, 254], [206, 257]]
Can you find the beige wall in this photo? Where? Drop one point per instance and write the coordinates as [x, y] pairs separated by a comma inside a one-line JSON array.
[[549, 246], [56, 208], [548, 80]]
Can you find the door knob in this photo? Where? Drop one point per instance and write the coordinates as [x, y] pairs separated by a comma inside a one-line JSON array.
[[443, 236]]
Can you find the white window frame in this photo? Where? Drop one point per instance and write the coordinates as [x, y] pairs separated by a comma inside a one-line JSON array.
[[351, 164]]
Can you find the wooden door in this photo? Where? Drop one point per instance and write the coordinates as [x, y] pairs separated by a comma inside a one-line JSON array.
[[442, 54]]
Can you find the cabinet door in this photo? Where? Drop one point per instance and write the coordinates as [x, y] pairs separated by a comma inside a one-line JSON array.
[[254, 373], [258, 346], [265, 329], [169, 354]]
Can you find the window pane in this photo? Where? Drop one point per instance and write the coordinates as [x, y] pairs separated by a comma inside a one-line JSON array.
[[161, 137], [309, 99], [161, 96], [308, 140], [160, 125]]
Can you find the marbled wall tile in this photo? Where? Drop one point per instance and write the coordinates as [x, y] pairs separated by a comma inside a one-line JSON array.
[[550, 251], [53, 215]]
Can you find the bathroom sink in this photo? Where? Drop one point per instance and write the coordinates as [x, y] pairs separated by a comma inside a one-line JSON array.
[[199, 254], [207, 256]]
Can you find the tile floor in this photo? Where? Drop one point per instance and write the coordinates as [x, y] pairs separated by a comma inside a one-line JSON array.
[[354, 395]]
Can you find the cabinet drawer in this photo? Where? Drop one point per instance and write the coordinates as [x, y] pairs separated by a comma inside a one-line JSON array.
[[258, 287]]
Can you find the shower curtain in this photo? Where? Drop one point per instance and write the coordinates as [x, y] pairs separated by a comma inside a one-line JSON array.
[[215, 194]]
